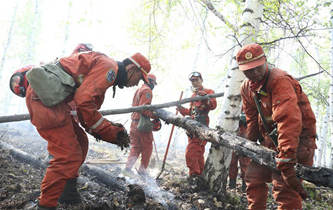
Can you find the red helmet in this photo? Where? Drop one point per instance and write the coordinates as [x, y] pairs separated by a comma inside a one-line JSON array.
[[82, 47], [152, 79], [18, 82]]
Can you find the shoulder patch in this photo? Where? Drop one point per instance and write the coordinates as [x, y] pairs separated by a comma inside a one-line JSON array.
[[111, 76], [148, 95]]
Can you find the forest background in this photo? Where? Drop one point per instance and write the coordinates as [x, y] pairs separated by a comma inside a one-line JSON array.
[[178, 37]]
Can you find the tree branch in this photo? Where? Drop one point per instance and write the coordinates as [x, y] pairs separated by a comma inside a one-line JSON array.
[[211, 7], [309, 75]]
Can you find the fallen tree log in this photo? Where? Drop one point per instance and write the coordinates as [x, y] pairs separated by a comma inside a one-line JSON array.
[[319, 176], [22, 117], [102, 175]]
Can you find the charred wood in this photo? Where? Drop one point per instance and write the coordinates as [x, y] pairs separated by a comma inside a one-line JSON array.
[[319, 176], [102, 175]]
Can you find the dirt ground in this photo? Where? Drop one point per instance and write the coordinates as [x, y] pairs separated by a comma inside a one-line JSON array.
[[20, 182]]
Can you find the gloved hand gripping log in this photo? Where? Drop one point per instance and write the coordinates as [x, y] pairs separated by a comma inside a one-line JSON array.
[[121, 139]]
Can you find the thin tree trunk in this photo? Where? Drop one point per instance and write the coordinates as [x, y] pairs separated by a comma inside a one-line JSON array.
[[67, 26], [322, 144], [323, 139], [9, 39], [32, 35], [218, 161]]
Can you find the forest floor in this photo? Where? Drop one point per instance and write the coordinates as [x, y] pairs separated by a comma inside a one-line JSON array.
[[20, 183]]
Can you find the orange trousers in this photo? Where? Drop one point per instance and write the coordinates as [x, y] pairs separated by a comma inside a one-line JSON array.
[[141, 143], [194, 155], [233, 168], [67, 144], [257, 191]]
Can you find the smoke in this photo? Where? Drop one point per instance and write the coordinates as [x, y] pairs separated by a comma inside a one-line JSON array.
[[151, 188]]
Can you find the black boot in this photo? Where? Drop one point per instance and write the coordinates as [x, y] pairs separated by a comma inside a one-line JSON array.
[[232, 183], [70, 195]]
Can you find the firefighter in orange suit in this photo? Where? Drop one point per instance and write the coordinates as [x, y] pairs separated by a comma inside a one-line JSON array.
[[93, 73], [198, 110], [141, 141], [243, 161], [287, 112]]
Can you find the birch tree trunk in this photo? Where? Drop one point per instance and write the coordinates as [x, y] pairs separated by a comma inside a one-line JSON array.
[[322, 144], [218, 160]]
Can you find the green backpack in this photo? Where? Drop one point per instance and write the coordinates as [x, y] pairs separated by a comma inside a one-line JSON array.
[[145, 124], [51, 83]]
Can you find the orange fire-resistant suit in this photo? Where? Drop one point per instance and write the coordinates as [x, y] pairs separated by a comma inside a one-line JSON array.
[[141, 142], [282, 103], [243, 161], [195, 149], [93, 73]]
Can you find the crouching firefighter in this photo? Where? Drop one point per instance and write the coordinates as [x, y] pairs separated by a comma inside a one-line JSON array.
[[198, 110], [276, 109], [82, 78]]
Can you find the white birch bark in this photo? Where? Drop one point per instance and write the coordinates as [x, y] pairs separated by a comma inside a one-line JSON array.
[[322, 143], [318, 151], [218, 161]]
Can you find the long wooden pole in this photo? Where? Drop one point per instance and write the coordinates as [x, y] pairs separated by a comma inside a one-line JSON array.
[[21, 117], [170, 137]]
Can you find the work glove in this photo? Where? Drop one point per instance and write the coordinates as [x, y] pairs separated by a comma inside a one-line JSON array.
[[123, 139], [156, 124], [289, 177], [204, 103], [181, 109], [114, 133], [201, 93]]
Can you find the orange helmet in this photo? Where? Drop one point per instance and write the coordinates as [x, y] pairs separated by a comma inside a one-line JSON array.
[[18, 82], [152, 79], [142, 63], [82, 47]]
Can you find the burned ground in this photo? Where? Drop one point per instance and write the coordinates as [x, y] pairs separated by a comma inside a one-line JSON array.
[[20, 182]]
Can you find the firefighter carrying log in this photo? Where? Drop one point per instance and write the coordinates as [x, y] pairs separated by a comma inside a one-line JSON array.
[[86, 75], [277, 109], [198, 111]]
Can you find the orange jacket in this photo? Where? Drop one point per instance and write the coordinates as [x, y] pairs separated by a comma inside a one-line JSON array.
[[93, 73], [286, 105], [142, 96], [204, 106]]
